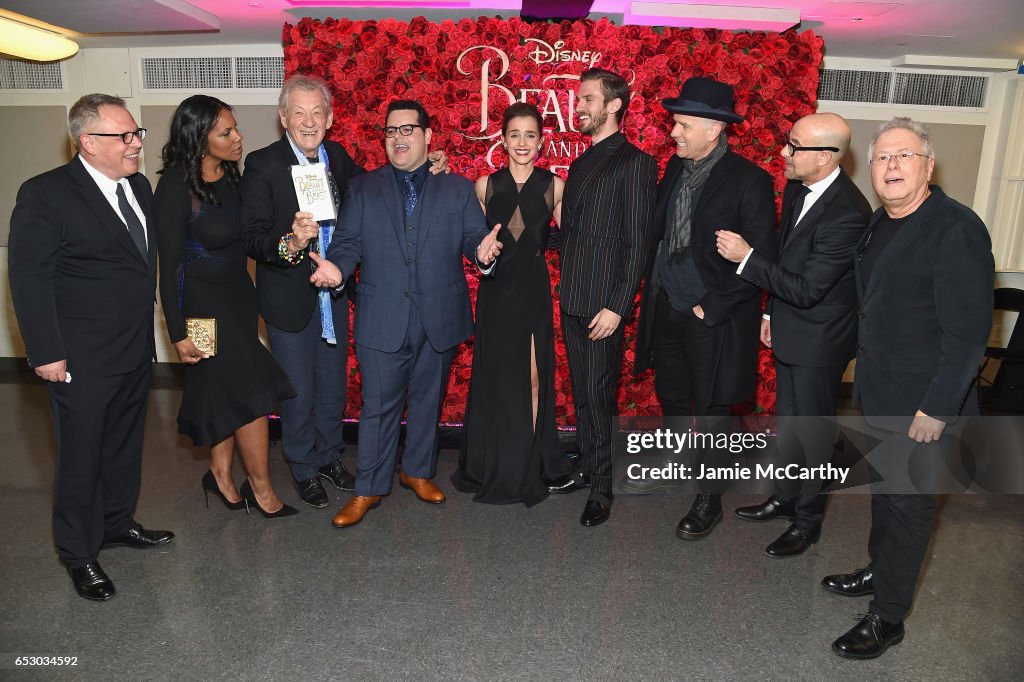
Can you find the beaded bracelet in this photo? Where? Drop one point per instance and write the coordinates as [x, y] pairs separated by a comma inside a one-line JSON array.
[[285, 254]]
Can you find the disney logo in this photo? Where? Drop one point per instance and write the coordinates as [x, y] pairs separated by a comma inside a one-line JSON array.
[[545, 54]]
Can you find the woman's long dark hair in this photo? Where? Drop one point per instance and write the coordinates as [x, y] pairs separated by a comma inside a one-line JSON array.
[[193, 120]]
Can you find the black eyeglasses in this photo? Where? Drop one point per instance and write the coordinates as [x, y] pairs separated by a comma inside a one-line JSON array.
[[405, 130], [125, 137], [793, 149]]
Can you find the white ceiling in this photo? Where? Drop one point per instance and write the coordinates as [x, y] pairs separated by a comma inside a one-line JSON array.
[[956, 28]]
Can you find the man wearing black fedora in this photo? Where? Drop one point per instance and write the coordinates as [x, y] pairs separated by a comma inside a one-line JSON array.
[[699, 321]]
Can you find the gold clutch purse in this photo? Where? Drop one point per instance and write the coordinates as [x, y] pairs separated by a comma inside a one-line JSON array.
[[203, 332]]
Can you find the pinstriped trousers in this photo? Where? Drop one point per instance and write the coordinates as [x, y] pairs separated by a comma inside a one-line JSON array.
[[594, 369]]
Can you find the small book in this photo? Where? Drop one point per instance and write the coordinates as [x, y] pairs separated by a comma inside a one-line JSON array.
[[203, 332], [313, 191]]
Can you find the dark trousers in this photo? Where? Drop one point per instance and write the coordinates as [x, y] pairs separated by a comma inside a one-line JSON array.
[[806, 392], [99, 424], [594, 369], [684, 353], [415, 372], [311, 422], [901, 517]]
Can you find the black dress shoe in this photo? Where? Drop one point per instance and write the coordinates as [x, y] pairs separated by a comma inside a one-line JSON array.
[[312, 493], [869, 638], [138, 537], [702, 517], [595, 513], [336, 473], [772, 508], [91, 582], [856, 584], [569, 484], [793, 542]]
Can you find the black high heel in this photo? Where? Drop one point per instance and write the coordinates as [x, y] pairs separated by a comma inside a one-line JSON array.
[[210, 486], [250, 497]]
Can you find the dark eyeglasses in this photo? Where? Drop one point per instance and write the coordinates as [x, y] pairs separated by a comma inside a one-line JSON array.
[[793, 149], [125, 137], [405, 130]]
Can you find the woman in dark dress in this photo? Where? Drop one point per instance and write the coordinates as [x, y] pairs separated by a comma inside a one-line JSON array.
[[203, 273], [511, 445]]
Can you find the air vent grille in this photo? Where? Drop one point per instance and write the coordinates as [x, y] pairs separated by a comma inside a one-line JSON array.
[[259, 72], [839, 85], [939, 90], [202, 73], [888, 87], [19, 75]]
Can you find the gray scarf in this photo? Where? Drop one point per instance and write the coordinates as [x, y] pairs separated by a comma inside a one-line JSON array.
[[693, 177]]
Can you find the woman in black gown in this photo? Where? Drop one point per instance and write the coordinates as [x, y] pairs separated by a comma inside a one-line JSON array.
[[203, 273], [511, 445]]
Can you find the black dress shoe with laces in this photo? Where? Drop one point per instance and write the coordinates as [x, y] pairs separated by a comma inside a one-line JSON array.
[[702, 517], [336, 473], [869, 638], [138, 537], [595, 513], [569, 484], [312, 493], [772, 508], [793, 542], [91, 582], [856, 584]]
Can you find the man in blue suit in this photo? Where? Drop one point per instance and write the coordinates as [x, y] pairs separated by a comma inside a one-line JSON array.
[[409, 230]]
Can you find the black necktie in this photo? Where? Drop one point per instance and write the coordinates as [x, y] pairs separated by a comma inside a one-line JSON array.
[[798, 206], [131, 219]]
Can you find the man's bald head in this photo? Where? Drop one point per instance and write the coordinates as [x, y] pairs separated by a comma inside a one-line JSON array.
[[816, 130]]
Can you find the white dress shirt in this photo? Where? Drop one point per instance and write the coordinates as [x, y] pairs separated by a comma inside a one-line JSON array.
[[108, 188]]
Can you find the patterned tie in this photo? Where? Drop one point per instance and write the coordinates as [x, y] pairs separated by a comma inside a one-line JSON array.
[[131, 219], [410, 195]]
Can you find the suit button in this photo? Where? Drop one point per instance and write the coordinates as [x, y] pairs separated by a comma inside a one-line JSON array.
[[861, 349], [861, 315], [405, 293]]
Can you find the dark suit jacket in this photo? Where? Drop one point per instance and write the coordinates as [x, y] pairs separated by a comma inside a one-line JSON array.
[[737, 196], [605, 223], [925, 314], [372, 233], [813, 305], [81, 289], [286, 297]]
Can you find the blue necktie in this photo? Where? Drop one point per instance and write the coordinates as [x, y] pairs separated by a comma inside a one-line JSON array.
[[410, 195]]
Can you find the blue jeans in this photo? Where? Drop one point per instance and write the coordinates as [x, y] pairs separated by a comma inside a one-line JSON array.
[[311, 422]]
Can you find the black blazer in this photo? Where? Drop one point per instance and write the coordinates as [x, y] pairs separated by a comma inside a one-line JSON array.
[[81, 289], [286, 298], [813, 305], [737, 196], [606, 216], [925, 315]]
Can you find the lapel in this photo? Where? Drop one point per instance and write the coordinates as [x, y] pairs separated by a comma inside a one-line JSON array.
[[858, 276], [99, 205], [787, 210], [607, 149], [426, 207], [906, 237], [393, 203], [719, 174], [665, 187]]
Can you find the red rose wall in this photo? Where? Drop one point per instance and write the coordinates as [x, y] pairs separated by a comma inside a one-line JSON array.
[[465, 73]]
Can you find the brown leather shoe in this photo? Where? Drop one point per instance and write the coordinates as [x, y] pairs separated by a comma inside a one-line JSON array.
[[423, 487], [354, 510]]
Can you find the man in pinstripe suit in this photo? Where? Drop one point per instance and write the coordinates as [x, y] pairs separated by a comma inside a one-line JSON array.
[[606, 213]]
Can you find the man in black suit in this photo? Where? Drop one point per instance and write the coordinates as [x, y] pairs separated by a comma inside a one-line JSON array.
[[698, 319], [82, 265], [811, 321], [924, 274], [606, 213]]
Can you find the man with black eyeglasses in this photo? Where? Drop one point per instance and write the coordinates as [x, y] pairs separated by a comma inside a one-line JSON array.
[[82, 266], [408, 231], [810, 322]]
